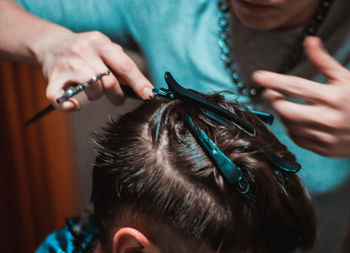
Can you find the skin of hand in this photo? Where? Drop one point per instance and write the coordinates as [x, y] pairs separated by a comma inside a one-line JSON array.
[[322, 125], [68, 57], [76, 57]]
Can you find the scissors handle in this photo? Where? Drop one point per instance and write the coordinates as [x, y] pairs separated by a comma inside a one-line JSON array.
[[72, 91], [77, 88]]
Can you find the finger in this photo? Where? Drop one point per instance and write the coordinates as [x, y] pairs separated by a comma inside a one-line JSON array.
[[292, 113], [295, 113], [61, 81], [112, 89], [271, 95], [110, 84], [55, 90], [292, 85], [321, 143], [286, 109], [70, 105], [323, 61], [323, 138], [125, 68], [310, 144], [95, 90]]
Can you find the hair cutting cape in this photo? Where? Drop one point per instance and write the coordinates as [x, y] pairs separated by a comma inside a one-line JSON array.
[[78, 236]]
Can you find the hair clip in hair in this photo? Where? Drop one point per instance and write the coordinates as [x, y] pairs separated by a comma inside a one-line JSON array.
[[283, 164], [277, 161], [176, 91], [223, 116], [264, 116], [231, 172], [163, 93]]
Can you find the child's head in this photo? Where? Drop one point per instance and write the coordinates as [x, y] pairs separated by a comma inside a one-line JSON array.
[[156, 190]]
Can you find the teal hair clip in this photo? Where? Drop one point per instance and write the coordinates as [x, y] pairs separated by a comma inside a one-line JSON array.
[[176, 91], [231, 172], [223, 116]]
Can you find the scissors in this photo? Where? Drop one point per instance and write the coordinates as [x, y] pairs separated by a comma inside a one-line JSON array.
[[70, 92]]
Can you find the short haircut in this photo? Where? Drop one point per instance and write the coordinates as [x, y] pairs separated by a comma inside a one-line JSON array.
[[149, 165]]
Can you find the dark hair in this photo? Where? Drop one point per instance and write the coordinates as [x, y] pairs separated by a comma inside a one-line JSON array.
[[149, 164]]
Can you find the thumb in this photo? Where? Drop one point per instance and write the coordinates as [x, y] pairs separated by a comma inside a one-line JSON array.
[[322, 60]]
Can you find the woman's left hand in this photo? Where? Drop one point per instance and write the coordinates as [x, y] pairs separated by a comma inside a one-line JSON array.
[[323, 124]]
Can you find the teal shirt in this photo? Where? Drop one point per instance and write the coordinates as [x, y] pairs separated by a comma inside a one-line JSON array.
[[60, 242], [78, 236], [181, 37]]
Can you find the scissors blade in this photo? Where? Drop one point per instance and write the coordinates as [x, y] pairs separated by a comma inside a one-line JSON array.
[[39, 115]]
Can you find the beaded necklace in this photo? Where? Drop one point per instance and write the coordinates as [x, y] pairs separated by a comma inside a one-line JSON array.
[[296, 55]]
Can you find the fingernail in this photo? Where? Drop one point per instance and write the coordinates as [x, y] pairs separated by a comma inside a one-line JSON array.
[[312, 41], [147, 92], [259, 75], [67, 105]]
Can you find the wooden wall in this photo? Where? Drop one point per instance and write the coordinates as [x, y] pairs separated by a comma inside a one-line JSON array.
[[38, 187]]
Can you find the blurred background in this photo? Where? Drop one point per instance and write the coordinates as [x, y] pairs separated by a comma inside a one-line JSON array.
[[45, 168]]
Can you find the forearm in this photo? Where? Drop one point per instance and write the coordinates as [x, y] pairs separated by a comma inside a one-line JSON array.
[[24, 37]]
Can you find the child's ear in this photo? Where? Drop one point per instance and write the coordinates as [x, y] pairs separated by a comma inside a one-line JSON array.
[[130, 240]]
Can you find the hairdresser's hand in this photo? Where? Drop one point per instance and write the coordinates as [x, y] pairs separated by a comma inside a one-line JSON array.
[[322, 125], [69, 57]]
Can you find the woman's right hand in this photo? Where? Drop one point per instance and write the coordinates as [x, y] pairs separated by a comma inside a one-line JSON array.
[[69, 57]]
